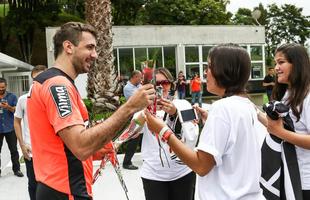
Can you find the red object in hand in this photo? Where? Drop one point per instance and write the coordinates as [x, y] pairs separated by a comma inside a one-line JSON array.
[[147, 74]]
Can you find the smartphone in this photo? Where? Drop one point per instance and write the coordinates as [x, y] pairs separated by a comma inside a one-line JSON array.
[[3, 101], [159, 92], [187, 115]]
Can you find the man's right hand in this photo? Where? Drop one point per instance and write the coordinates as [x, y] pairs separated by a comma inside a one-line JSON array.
[[142, 97], [26, 151]]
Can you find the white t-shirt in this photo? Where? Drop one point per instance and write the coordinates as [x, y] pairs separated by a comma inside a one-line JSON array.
[[21, 112], [303, 155], [230, 136], [152, 168]]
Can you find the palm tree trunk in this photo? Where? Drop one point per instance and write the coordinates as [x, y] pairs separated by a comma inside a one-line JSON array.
[[102, 79]]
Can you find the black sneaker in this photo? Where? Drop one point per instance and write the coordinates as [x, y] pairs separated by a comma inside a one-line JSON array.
[[131, 167], [18, 173]]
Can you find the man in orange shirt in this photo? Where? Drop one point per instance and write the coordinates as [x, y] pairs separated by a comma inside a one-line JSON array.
[[62, 146]]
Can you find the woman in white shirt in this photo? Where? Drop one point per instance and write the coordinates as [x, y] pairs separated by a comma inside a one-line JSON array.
[[164, 176], [293, 89], [227, 158]]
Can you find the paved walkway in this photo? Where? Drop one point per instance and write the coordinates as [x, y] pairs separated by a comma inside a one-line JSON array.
[[107, 186]]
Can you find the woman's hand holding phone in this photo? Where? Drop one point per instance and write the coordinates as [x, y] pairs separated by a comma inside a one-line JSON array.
[[202, 113], [167, 106]]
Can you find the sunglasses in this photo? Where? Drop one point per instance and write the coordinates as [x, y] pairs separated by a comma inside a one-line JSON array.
[[163, 82]]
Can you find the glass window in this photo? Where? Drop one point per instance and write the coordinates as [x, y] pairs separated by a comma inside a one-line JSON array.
[[256, 53], [244, 46], [191, 54], [169, 58], [205, 53], [155, 54], [140, 56], [191, 70], [257, 70], [125, 61], [18, 84], [204, 72]]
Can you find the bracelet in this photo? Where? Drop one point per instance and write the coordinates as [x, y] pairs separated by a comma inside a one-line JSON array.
[[165, 133], [137, 122], [162, 131], [166, 136]]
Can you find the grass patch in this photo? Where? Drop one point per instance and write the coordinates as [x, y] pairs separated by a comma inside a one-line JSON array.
[[265, 100], [4, 9]]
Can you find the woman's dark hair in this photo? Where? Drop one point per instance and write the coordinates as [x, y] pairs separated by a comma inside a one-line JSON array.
[[299, 77], [230, 65], [167, 74]]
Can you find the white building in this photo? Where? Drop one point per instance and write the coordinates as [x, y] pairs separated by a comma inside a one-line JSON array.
[[17, 74], [177, 48]]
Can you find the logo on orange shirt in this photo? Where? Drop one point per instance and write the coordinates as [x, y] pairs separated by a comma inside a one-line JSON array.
[[61, 98]]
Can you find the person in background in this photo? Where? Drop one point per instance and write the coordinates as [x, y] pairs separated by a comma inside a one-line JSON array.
[[228, 145], [196, 89], [269, 82], [131, 87], [292, 87], [63, 146], [8, 102], [181, 85], [23, 134], [133, 84], [164, 176]]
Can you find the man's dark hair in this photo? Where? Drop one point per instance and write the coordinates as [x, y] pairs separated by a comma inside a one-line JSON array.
[[133, 73], [231, 66], [38, 68], [2, 80], [71, 31]]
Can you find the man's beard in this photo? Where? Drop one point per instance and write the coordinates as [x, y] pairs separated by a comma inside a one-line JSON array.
[[2, 92], [78, 65]]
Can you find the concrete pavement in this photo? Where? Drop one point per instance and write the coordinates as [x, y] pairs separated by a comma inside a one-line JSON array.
[[107, 186]]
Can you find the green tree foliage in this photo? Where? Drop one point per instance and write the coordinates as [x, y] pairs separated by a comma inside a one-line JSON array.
[[74, 7], [127, 12], [285, 24], [24, 17], [186, 12], [282, 25], [4, 29], [244, 16]]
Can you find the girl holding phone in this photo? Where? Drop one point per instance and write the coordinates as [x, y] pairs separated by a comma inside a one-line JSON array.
[[228, 145]]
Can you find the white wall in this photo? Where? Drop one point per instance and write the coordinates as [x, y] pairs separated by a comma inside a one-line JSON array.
[[179, 36]]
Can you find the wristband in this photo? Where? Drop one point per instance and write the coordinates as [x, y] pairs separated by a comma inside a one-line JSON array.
[[166, 136], [164, 133], [137, 122]]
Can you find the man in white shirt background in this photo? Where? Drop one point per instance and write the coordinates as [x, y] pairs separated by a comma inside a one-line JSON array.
[[23, 134], [132, 85]]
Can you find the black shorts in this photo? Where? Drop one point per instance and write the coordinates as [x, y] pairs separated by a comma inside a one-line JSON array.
[[45, 192]]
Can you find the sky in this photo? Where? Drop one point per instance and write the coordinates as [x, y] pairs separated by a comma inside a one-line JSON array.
[[235, 4]]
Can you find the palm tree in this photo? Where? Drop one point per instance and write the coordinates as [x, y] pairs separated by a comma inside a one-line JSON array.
[[103, 84]]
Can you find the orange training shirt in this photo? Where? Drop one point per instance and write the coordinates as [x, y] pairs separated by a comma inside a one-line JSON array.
[[54, 104]]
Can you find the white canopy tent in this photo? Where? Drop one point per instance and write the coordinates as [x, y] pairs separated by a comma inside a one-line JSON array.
[[17, 74], [10, 64]]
